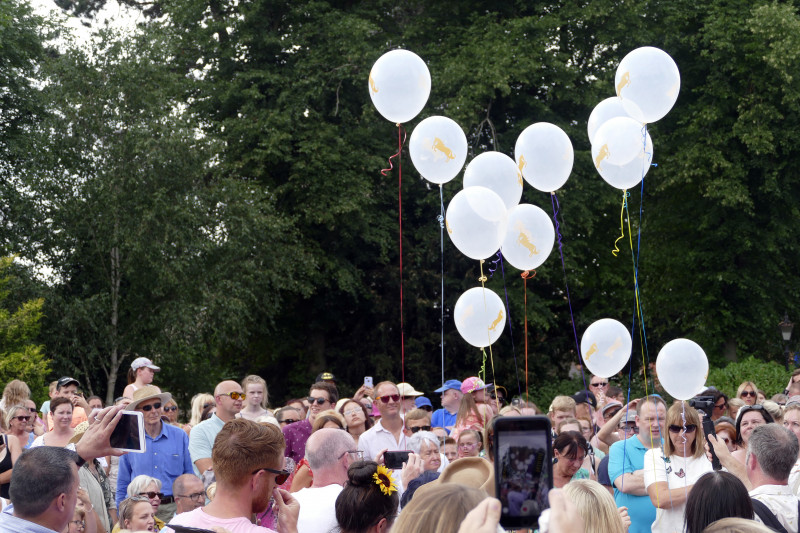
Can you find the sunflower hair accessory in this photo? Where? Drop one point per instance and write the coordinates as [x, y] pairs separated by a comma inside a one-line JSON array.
[[383, 478]]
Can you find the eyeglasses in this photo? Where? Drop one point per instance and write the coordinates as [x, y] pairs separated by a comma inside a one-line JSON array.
[[601, 384], [148, 408], [352, 411], [392, 397], [170, 408], [152, 495], [22, 418], [420, 428], [319, 401], [235, 395], [355, 455], [199, 496], [80, 523], [748, 393], [280, 475], [677, 429]]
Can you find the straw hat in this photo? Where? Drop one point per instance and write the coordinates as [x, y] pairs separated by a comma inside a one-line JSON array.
[[474, 472], [149, 392]]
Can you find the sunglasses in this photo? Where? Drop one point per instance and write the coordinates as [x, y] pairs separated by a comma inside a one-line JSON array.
[[172, 408], [280, 475], [690, 428], [207, 405], [319, 401], [22, 418], [32, 409], [723, 406], [352, 412], [288, 421], [152, 495], [749, 393], [420, 428], [392, 397], [601, 384], [148, 408], [235, 395]]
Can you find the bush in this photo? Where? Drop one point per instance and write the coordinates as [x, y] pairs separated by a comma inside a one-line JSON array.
[[768, 376]]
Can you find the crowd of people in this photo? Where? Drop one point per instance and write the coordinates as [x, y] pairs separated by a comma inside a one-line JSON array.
[[386, 459]]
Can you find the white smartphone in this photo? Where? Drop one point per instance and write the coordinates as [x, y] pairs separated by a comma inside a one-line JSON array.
[[368, 381], [128, 436]]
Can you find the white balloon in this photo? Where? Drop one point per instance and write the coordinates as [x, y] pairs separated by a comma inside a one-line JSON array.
[[631, 173], [603, 112], [498, 172], [544, 155], [399, 85], [480, 316], [648, 82], [476, 222], [438, 149], [682, 368], [529, 237], [606, 347], [618, 141]]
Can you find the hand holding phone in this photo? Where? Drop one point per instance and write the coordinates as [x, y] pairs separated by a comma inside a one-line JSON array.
[[394, 460]]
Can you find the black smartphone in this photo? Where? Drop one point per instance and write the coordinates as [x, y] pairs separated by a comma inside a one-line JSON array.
[[523, 469], [129, 433], [394, 460]]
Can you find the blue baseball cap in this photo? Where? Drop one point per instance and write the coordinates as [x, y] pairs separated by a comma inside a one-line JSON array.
[[449, 384], [422, 401]]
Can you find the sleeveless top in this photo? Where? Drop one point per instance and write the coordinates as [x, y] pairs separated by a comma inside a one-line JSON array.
[[5, 465]]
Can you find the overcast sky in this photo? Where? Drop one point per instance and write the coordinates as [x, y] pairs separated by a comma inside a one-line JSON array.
[[112, 13]]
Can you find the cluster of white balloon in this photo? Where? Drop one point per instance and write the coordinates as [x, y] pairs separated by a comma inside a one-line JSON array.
[[486, 215], [647, 82]]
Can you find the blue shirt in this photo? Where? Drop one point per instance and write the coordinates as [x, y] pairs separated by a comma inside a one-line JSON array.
[[165, 458], [201, 439], [13, 524], [442, 419], [625, 457]]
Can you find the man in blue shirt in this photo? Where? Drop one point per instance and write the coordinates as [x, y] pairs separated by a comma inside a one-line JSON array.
[[166, 455], [451, 399], [626, 464]]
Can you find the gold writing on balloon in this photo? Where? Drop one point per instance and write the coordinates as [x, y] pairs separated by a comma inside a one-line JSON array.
[[522, 164], [519, 178], [524, 238], [439, 146], [624, 81], [591, 351], [449, 229], [497, 321], [372, 84], [468, 312], [614, 347], [604, 153]]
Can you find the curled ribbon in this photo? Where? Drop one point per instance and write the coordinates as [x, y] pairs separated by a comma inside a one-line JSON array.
[[400, 130], [625, 195], [527, 274], [495, 262]]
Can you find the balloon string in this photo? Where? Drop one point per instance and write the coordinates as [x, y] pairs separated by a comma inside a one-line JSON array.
[[556, 210], [525, 276], [625, 195], [483, 280], [440, 218], [385, 171], [508, 314], [642, 340], [494, 263], [400, 140]]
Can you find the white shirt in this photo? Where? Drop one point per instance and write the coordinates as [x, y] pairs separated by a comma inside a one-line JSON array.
[[317, 509], [678, 472], [794, 478], [781, 501], [376, 439]]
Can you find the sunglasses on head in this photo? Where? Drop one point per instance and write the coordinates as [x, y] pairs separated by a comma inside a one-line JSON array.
[[749, 393], [152, 495], [235, 395], [280, 475], [392, 397], [171, 408], [148, 408], [420, 428], [677, 429], [319, 401]]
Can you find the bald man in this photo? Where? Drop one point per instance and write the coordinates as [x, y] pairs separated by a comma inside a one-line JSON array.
[[229, 399]]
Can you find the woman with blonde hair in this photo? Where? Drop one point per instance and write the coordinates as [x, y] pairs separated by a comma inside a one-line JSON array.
[[791, 421], [15, 393], [676, 468], [440, 510], [200, 401], [748, 392], [597, 508]]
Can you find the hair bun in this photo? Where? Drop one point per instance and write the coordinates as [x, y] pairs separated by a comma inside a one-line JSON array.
[[360, 473]]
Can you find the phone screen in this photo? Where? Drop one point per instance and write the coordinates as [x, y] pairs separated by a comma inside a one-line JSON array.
[[129, 433], [523, 469]]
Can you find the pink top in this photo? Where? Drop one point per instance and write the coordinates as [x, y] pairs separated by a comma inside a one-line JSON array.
[[199, 518], [473, 421]]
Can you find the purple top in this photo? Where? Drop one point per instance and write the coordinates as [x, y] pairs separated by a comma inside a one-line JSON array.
[[296, 434]]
